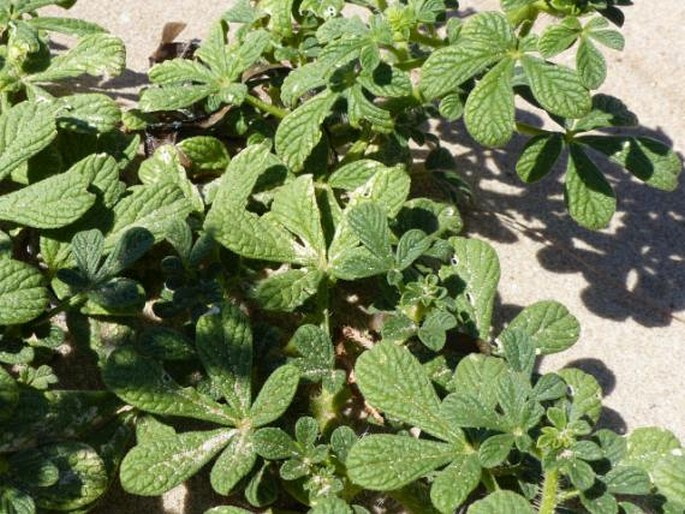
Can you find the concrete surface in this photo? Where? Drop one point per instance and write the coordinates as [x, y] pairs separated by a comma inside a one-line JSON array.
[[625, 284]]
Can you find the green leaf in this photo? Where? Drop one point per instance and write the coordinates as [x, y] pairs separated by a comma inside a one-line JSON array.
[[244, 232], [206, 154], [649, 160], [386, 81], [585, 394], [22, 294], [361, 109], [589, 197], [369, 223], [54, 202], [549, 324], [301, 80], [300, 131], [433, 330], [224, 344], [227, 510], [25, 130], [465, 410], [495, 450], [14, 501], [557, 38], [98, 54], [538, 157], [484, 40], [275, 395], [392, 380], [274, 444], [179, 71], [87, 247], [236, 461], [412, 245], [500, 502], [590, 64], [607, 111], [669, 477], [173, 97], [557, 88], [82, 477], [649, 445], [452, 107], [134, 243], [154, 467], [472, 276], [452, 486], [9, 394], [475, 374], [316, 357], [143, 383], [288, 290], [628, 480], [88, 113], [489, 110], [294, 206], [387, 462], [152, 207], [596, 28], [68, 26]]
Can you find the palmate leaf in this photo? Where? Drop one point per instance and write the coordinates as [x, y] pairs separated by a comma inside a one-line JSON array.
[[559, 37], [288, 290], [156, 466], [275, 396], [143, 383], [483, 41], [489, 110], [589, 197], [234, 463], [22, 293], [538, 157], [224, 344], [453, 485], [25, 129], [387, 462], [300, 131], [392, 380]]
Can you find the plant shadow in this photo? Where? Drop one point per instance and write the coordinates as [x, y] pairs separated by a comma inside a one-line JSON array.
[[633, 270]]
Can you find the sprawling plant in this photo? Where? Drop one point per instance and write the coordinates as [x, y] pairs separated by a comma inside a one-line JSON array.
[[279, 287]]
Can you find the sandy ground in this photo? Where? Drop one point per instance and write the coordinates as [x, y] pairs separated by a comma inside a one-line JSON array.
[[626, 284]]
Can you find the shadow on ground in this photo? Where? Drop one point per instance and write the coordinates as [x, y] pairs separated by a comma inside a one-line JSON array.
[[635, 270]]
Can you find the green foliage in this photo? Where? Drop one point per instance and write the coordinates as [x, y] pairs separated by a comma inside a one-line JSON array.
[[278, 290]]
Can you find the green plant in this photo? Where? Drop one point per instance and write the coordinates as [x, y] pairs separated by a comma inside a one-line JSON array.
[[281, 237]]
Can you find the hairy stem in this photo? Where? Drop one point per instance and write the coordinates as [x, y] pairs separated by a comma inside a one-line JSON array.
[[550, 486]]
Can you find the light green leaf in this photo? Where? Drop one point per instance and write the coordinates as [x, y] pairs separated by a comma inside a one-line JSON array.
[[244, 232], [236, 461], [361, 109], [280, 15], [550, 325], [275, 395], [669, 477], [489, 110], [647, 446], [649, 160], [68, 26], [152, 207], [288, 290], [557, 38], [590, 64], [475, 375], [88, 113], [453, 485], [589, 197], [557, 88], [179, 71], [316, 357], [628, 480], [206, 154], [452, 107], [299, 81], [597, 29], [386, 81], [392, 380], [154, 467], [274, 444], [495, 450], [22, 294], [224, 344], [500, 502], [98, 54], [585, 395], [25, 129], [466, 410], [143, 383], [300, 131], [476, 267], [15, 501], [484, 40], [213, 51], [387, 462], [172, 98], [607, 111], [538, 157], [294, 206], [369, 223]]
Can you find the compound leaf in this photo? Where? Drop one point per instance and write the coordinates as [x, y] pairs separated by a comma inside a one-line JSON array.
[[156, 466], [387, 462]]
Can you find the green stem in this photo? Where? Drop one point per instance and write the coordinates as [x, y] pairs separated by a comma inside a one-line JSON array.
[[530, 130], [549, 499], [411, 64], [489, 481], [323, 302], [62, 306], [424, 39], [266, 107]]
